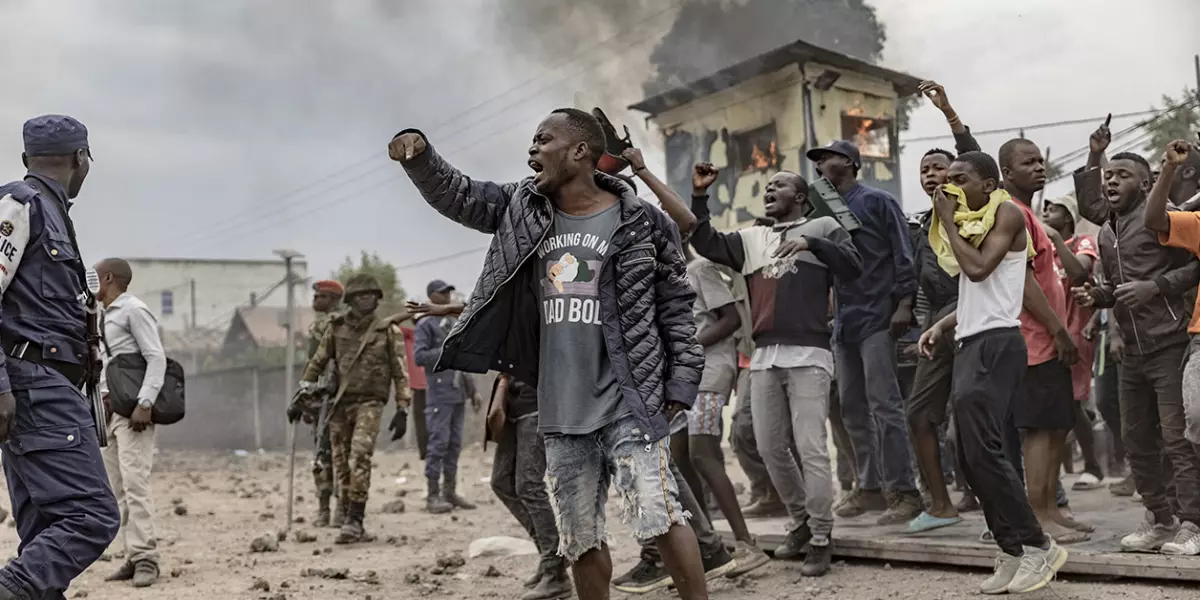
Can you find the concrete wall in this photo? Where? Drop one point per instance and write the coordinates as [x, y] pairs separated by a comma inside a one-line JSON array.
[[221, 413], [221, 286], [706, 129]]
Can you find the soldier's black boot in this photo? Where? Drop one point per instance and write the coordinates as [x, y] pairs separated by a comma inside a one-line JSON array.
[[555, 585], [435, 504], [322, 518], [339, 514], [453, 498], [352, 530]]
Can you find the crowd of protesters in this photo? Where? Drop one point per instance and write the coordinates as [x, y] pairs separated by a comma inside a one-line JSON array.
[[973, 344]]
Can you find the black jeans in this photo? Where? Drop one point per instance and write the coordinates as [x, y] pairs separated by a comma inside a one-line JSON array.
[[1109, 405], [988, 369], [1153, 423], [518, 479]]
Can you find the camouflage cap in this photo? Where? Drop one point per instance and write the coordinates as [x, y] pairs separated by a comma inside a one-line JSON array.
[[361, 283]]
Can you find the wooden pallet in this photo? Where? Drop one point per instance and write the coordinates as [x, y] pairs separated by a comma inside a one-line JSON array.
[[960, 546]]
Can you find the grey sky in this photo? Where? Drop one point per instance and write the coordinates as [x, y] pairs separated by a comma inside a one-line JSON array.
[[229, 129]]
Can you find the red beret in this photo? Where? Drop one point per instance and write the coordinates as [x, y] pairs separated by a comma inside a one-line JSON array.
[[330, 287]]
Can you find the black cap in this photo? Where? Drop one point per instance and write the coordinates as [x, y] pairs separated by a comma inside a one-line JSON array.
[[54, 135], [437, 285], [841, 147]]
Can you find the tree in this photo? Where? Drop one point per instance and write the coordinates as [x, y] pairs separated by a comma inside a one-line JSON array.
[[383, 272], [1181, 121]]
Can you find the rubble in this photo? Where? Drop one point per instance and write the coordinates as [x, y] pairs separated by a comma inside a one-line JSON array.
[[394, 507], [304, 537], [181, 509], [492, 571], [330, 573], [265, 543], [261, 584]]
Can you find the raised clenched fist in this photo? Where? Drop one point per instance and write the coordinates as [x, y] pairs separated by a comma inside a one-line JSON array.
[[406, 147]]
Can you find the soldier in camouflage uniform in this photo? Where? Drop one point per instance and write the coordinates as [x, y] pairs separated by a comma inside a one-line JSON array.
[[368, 352], [326, 297]]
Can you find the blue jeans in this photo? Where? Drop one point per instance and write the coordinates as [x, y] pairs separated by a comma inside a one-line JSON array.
[[873, 411], [579, 469]]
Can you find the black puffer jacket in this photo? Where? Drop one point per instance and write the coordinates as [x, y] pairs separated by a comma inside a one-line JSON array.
[[645, 298]]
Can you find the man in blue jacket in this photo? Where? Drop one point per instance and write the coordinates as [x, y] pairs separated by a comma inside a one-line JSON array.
[[446, 395]]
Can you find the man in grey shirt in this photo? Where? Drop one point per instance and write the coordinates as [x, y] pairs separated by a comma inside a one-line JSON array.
[[577, 391], [129, 327]]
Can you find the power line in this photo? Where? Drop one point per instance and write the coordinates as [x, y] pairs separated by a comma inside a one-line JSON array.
[[322, 203], [1074, 154], [1017, 129], [584, 52]]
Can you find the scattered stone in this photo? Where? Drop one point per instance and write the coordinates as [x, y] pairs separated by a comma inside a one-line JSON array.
[[282, 535], [492, 571], [81, 594], [261, 585], [887, 566], [187, 561], [500, 546], [401, 493], [327, 550], [394, 507], [453, 518], [278, 597], [285, 585], [367, 577], [176, 501], [412, 578], [739, 488], [106, 557], [300, 520], [265, 543], [451, 560], [329, 573], [267, 516], [316, 552], [181, 509], [436, 570], [305, 537], [176, 573]]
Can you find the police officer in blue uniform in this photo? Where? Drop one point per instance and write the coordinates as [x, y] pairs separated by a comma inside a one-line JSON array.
[[64, 509]]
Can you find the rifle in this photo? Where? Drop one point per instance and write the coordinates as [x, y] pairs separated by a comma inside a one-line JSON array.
[[95, 366]]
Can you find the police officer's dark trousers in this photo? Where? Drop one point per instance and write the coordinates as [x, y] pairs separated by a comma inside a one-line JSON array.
[[445, 424], [64, 509]]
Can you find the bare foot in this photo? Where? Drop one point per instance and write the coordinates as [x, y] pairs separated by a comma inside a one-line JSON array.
[[1063, 535], [1066, 518]]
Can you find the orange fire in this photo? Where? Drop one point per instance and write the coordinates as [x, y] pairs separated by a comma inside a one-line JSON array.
[[863, 128], [760, 160]]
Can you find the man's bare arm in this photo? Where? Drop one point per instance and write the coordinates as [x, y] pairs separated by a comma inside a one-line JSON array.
[[979, 263]]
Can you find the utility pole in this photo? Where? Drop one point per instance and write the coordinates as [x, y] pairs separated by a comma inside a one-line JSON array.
[[290, 367], [192, 294], [1196, 61]]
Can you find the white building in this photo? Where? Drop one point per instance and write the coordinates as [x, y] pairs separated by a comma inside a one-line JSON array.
[[200, 293]]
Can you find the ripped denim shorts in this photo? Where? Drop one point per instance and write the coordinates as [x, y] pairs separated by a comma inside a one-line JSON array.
[[579, 469]]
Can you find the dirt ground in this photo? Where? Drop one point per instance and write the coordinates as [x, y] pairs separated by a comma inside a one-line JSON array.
[[231, 500]]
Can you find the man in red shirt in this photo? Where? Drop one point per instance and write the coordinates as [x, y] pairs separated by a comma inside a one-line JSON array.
[[416, 382], [1045, 412], [1075, 259]]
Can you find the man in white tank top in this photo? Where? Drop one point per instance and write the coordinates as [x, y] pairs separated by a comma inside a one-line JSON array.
[[988, 367]]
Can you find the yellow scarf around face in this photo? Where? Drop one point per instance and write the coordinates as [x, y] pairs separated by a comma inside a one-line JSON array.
[[973, 225]]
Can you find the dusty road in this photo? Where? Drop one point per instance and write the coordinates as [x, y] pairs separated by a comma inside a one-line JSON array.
[[232, 500]]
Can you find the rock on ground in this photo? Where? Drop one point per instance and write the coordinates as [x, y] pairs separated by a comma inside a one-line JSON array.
[[500, 546]]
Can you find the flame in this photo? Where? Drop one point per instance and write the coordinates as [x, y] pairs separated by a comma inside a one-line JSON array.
[[760, 160], [854, 111], [863, 127]]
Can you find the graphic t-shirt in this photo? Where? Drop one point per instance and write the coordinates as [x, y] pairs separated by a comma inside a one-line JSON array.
[[1077, 316], [1037, 337], [577, 390], [712, 292]]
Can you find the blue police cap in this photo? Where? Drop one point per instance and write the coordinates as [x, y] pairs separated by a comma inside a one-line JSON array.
[[54, 135], [842, 147]]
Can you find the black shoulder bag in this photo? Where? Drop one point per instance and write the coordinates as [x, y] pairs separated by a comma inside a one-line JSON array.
[[125, 374]]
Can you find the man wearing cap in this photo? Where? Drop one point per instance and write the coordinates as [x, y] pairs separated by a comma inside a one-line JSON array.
[[446, 394], [368, 355], [327, 294], [62, 504], [872, 311]]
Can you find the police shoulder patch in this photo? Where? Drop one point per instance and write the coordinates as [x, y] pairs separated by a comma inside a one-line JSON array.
[[6, 228]]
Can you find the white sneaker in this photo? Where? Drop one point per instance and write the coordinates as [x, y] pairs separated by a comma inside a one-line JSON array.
[[1006, 568], [1150, 536], [1038, 568], [1187, 541]]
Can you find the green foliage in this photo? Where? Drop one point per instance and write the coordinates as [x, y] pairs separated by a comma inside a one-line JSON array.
[[383, 272], [1180, 124]]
